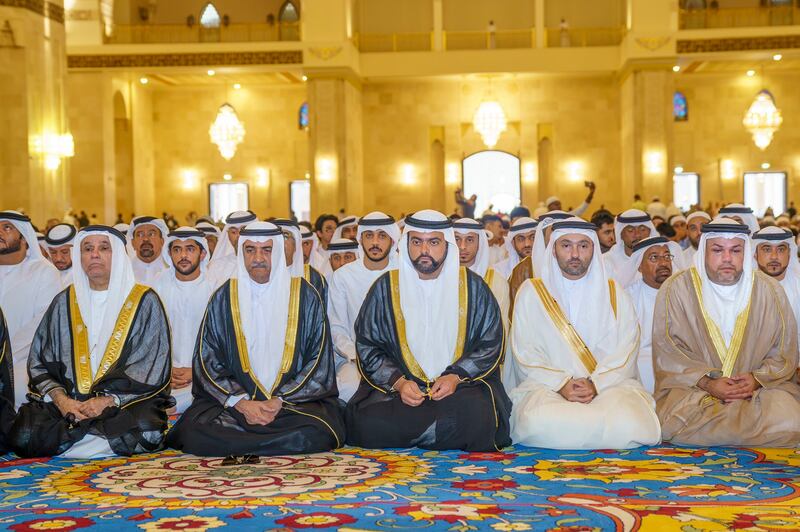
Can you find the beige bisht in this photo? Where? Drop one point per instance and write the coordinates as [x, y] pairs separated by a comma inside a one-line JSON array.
[[699, 329]]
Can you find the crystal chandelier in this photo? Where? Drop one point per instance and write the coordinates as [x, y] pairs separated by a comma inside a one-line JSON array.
[[490, 122], [763, 119], [227, 132]]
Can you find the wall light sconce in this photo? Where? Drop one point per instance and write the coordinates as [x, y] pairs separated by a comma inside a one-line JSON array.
[[575, 171], [263, 175], [654, 162], [408, 173], [189, 179], [326, 169], [529, 172], [452, 174], [54, 148], [727, 169]]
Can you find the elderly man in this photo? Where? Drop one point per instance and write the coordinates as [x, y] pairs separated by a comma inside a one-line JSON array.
[[694, 224], [573, 335], [58, 243], [147, 235], [28, 283], [264, 381], [630, 227], [776, 255], [222, 265], [295, 258], [725, 349], [519, 245], [378, 236], [653, 260], [100, 361], [184, 289], [430, 343]]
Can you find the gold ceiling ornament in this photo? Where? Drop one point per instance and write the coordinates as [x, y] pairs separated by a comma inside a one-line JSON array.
[[227, 132], [490, 121], [763, 119]]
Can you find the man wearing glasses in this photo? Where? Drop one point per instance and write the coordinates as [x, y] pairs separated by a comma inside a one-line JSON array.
[[653, 260]]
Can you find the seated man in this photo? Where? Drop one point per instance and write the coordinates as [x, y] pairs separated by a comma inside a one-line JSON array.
[[222, 265], [776, 255], [694, 223], [573, 334], [184, 289], [725, 349], [519, 245], [341, 251], [653, 261], [430, 343], [100, 361], [58, 243], [6, 385], [264, 382], [630, 227], [377, 234], [295, 259]]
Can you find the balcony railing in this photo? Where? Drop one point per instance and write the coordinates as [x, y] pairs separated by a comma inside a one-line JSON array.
[[168, 33], [485, 40], [739, 17]]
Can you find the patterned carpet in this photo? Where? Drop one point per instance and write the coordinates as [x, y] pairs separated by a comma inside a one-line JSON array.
[[662, 488]]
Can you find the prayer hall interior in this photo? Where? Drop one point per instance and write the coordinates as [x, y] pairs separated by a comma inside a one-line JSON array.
[[237, 121]]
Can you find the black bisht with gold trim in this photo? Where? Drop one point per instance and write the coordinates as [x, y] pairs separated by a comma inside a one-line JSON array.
[[310, 419], [135, 369], [474, 418]]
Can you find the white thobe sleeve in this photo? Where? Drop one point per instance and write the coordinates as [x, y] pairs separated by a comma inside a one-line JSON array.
[[339, 319], [531, 359], [580, 210], [618, 363], [49, 285]]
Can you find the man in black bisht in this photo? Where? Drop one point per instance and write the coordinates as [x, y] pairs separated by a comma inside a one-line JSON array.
[[430, 344], [6, 384], [100, 361], [263, 379]]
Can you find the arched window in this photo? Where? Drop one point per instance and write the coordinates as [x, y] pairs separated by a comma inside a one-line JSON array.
[[288, 12], [209, 16], [494, 177], [680, 109], [302, 116]]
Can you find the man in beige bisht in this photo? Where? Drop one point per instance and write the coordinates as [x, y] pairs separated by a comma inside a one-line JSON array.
[[575, 337], [725, 349]]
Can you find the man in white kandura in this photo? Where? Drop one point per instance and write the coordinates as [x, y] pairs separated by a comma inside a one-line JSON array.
[[776, 255], [222, 265], [184, 290], [146, 235], [28, 283], [58, 244], [378, 236], [630, 227], [519, 244], [575, 336]]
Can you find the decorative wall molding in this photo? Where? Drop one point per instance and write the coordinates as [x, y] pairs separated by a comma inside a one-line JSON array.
[[83, 14], [173, 60], [652, 43], [47, 9], [325, 53], [738, 44]]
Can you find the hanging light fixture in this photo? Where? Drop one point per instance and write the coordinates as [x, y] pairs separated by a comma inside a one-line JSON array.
[[227, 132], [490, 122], [54, 148], [763, 119]]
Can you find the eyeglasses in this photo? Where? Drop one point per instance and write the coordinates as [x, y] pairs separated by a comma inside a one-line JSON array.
[[658, 258]]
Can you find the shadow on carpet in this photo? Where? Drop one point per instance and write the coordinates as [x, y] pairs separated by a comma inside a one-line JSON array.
[[660, 488]]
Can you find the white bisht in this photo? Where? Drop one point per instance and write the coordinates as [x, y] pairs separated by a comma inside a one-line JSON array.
[[587, 328], [615, 258]]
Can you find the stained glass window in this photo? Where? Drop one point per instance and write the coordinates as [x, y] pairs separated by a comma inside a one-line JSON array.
[[302, 116], [680, 109]]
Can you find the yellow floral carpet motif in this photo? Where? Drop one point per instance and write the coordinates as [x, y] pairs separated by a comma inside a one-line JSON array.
[[657, 488]]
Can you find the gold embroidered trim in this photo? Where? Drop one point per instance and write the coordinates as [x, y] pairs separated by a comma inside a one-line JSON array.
[[489, 277], [612, 294], [400, 323], [726, 354], [122, 327], [565, 327], [307, 272], [289, 344], [338, 443]]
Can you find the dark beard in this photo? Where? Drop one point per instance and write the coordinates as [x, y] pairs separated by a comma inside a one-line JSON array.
[[366, 254], [428, 269], [11, 249], [191, 270]]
